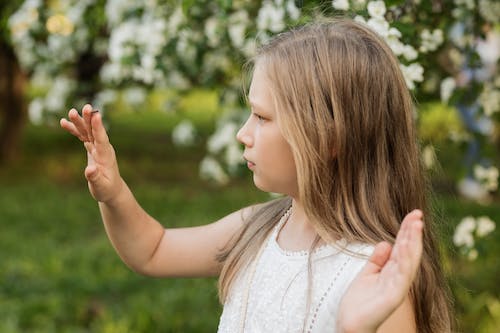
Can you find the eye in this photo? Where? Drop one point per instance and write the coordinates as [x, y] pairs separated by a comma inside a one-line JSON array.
[[259, 117]]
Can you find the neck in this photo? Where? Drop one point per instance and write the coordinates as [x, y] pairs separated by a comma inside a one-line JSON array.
[[298, 233], [298, 218]]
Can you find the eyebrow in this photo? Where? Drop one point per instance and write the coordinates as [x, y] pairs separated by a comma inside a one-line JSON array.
[[254, 105]]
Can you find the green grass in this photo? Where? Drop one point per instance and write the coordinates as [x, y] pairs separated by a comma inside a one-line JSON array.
[[59, 272]]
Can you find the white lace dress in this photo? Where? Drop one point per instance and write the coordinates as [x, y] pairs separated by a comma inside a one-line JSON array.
[[276, 300]]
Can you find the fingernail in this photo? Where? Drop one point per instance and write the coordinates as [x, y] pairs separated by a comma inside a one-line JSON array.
[[94, 111]]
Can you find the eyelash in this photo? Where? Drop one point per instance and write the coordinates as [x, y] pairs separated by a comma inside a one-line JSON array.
[[259, 117]]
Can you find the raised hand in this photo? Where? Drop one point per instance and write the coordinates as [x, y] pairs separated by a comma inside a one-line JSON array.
[[102, 172], [385, 281]]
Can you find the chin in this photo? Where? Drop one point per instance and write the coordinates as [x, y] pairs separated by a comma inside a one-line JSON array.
[[261, 185], [266, 187]]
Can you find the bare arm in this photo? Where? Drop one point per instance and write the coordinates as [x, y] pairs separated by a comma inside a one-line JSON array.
[[141, 241]]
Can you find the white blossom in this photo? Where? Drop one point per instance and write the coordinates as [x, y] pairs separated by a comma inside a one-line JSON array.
[[116, 9], [467, 228], [175, 20], [490, 10], [121, 40], [488, 176], [103, 98], [233, 155], [489, 99], [210, 169], [412, 73], [113, 72], [184, 133], [379, 25], [429, 156], [463, 235], [271, 17], [211, 31], [24, 18], [473, 190], [376, 9], [410, 53], [224, 136], [292, 10], [340, 4], [216, 60], [447, 87], [177, 80], [250, 47], [184, 46], [238, 22], [55, 100], [431, 40], [360, 19], [396, 46], [135, 95], [58, 50], [35, 111], [393, 32], [485, 225], [150, 35], [469, 4]]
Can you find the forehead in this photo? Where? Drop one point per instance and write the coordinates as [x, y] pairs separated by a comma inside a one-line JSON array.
[[260, 88]]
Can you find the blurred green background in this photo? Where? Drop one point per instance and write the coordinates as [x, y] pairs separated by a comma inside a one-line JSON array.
[[59, 272]]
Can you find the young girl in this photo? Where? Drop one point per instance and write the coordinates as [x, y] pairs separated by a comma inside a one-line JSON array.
[[331, 127]]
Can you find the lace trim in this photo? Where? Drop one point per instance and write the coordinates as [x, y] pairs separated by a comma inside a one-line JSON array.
[[300, 253], [325, 294]]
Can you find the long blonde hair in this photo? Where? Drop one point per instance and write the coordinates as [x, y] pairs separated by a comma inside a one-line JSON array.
[[344, 108]]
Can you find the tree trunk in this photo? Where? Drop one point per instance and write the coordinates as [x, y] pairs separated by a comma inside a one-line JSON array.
[[13, 108]]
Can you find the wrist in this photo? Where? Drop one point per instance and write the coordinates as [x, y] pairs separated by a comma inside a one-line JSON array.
[[118, 196]]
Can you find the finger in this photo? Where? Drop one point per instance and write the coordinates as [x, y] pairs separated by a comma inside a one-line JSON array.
[[92, 173], [378, 259], [408, 219], [90, 152], [71, 128], [416, 232], [87, 115], [416, 240], [79, 123], [98, 131], [403, 235], [410, 250]]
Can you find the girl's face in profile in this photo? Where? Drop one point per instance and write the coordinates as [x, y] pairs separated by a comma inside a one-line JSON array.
[[267, 152]]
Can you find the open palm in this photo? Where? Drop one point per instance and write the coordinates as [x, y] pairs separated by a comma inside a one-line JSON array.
[[102, 170], [384, 282]]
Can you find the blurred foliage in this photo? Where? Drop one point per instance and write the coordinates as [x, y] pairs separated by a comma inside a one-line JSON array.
[[437, 121], [61, 274]]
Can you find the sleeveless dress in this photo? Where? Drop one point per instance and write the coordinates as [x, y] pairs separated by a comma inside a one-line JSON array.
[[276, 292]]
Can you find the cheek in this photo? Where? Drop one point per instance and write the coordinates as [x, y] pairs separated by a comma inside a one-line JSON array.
[[281, 157]]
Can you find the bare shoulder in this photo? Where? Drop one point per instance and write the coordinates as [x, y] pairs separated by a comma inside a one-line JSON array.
[[191, 252], [401, 320]]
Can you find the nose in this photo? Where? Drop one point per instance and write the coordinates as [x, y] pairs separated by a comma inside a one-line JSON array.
[[244, 134]]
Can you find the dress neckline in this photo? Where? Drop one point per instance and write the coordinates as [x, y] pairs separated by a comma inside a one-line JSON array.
[[320, 251]]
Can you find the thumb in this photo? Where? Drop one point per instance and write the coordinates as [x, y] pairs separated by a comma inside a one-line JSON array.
[[92, 173], [378, 259]]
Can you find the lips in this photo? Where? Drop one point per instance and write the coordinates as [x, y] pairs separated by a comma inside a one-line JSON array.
[[250, 164]]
